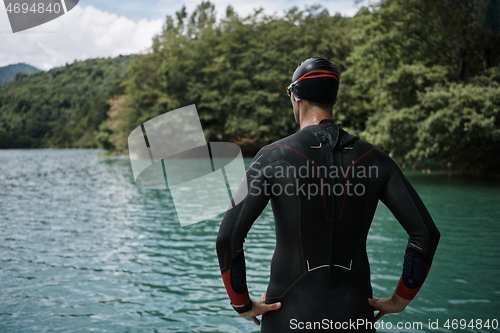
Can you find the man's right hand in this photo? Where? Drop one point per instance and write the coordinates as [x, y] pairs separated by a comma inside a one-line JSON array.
[[393, 304], [259, 307]]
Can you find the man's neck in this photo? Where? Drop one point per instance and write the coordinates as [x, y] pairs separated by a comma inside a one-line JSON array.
[[313, 117]]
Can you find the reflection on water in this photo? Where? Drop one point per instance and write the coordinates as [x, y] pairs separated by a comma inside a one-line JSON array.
[[82, 248]]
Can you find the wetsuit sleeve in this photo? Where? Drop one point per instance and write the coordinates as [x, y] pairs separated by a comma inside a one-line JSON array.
[[234, 228], [403, 201]]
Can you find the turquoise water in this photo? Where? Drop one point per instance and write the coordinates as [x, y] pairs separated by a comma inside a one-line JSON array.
[[83, 249]]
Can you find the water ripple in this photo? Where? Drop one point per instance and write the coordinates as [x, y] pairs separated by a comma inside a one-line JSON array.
[[83, 249]]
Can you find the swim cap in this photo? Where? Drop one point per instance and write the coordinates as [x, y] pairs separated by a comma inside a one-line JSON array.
[[315, 80]]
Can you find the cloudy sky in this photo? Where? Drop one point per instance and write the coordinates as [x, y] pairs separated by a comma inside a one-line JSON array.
[[96, 28]]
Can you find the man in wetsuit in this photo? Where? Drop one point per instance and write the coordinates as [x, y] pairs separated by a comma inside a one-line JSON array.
[[324, 185]]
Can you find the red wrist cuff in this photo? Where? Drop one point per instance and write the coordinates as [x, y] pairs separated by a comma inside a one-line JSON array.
[[404, 292], [236, 298]]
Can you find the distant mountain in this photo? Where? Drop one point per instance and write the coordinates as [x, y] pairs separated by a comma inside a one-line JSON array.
[[8, 73]]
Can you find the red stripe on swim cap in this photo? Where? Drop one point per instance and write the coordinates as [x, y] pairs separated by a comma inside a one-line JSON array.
[[326, 73]]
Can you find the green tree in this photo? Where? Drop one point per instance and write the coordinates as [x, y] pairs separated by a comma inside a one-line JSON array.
[[61, 108], [413, 70], [234, 70]]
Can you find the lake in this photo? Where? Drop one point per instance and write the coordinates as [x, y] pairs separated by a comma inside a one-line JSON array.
[[84, 249]]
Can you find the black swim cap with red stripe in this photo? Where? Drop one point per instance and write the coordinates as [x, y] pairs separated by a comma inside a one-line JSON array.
[[316, 80]]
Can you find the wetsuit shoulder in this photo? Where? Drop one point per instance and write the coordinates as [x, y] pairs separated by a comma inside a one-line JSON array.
[[281, 148]]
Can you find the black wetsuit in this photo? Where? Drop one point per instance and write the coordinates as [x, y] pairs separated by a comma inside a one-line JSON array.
[[320, 268]]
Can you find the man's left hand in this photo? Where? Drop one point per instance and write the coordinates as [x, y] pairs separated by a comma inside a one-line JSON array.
[[393, 304], [259, 307]]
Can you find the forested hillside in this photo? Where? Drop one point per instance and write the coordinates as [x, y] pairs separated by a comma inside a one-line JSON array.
[[419, 78], [61, 108]]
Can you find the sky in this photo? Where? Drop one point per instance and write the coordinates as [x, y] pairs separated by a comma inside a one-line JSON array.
[[97, 29]]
